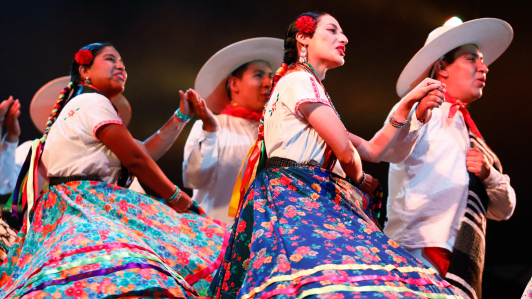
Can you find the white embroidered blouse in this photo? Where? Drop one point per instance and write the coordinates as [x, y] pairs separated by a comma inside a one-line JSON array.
[[287, 133], [72, 147]]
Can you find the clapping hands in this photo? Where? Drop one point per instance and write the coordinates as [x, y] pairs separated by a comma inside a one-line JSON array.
[[9, 113]]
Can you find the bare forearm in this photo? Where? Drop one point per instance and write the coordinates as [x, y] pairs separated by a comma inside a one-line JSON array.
[[376, 149], [149, 173], [159, 143]]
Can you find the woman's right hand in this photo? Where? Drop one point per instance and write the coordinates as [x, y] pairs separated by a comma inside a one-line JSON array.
[[425, 88], [204, 113], [429, 90], [370, 185], [4, 107], [183, 204]]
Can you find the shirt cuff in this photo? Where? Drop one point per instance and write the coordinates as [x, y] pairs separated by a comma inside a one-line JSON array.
[[210, 135], [415, 124], [494, 179], [9, 146]]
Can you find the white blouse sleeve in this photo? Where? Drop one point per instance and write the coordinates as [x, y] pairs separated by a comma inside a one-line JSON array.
[[98, 113], [305, 89]]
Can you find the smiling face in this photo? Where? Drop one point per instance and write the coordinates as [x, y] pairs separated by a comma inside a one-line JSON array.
[[466, 76], [327, 45], [253, 89], [107, 73]]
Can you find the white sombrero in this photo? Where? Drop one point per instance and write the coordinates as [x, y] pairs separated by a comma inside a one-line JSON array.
[[44, 100], [492, 37], [211, 79]]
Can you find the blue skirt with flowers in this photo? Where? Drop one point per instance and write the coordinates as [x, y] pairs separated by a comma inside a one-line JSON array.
[[304, 232]]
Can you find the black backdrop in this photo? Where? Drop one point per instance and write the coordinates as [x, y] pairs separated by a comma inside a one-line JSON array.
[[165, 43]]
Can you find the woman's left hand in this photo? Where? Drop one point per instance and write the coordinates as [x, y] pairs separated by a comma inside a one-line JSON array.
[[183, 204], [370, 185], [184, 106]]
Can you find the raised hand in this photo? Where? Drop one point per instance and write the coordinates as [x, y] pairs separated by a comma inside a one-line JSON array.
[[429, 94], [4, 108], [200, 108], [476, 164], [184, 106], [12, 124]]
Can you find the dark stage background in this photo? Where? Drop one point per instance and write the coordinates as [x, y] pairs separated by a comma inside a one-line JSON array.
[[165, 43]]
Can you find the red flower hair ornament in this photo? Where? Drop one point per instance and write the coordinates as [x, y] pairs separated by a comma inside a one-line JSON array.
[[83, 57], [306, 24]]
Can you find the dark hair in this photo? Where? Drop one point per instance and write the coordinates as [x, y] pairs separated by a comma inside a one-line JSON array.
[[239, 73], [75, 78], [448, 58], [95, 49], [290, 42]]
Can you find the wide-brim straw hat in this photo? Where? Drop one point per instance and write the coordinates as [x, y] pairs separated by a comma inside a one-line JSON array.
[[46, 97], [211, 80], [492, 37]]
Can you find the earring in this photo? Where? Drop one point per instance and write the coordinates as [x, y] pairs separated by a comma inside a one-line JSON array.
[[87, 80], [303, 55]]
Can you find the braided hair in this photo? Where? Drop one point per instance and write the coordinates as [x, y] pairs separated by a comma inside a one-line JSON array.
[[291, 54], [75, 79]]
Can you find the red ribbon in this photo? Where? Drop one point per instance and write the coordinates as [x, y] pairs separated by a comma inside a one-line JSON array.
[[242, 113], [457, 105]]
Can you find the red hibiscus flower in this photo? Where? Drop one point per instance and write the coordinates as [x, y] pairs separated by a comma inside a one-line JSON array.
[[83, 57]]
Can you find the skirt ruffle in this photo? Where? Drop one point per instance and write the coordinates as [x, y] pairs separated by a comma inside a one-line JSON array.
[[92, 239], [304, 232]]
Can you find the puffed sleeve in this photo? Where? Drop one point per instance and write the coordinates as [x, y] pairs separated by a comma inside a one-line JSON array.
[[96, 111], [200, 157], [9, 169], [304, 89]]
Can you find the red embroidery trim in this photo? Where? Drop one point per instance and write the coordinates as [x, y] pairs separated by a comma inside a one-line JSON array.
[[318, 99], [103, 123]]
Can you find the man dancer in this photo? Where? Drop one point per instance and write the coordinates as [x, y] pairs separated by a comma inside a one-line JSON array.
[[442, 193], [235, 82]]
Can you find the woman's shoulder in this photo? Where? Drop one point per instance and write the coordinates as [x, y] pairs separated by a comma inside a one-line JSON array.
[[90, 101], [297, 75]]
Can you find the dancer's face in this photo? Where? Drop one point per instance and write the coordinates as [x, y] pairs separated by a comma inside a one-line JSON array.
[[328, 43], [107, 72], [253, 89], [466, 76]]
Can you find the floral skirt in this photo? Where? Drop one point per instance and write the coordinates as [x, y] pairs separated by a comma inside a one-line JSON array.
[[91, 239], [303, 232]]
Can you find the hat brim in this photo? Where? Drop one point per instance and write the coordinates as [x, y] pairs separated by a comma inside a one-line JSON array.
[[46, 97], [492, 36], [211, 79]]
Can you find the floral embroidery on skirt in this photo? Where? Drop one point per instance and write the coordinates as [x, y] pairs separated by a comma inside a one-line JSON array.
[[89, 239], [303, 232]]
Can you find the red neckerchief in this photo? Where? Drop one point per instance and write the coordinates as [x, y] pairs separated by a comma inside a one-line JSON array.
[[242, 113], [457, 105]]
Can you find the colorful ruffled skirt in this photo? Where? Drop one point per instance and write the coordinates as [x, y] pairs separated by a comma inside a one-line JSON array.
[[91, 239], [303, 232]]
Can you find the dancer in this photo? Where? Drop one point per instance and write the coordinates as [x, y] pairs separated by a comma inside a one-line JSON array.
[[301, 230], [236, 83], [441, 195], [86, 236]]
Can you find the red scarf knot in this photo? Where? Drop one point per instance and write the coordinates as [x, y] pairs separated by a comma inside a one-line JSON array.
[[457, 105], [242, 113]]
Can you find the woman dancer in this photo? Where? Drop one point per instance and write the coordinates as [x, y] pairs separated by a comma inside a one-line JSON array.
[[88, 237], [300, 230]]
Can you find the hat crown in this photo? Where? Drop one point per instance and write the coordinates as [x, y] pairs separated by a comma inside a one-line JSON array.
[[437, 32]]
